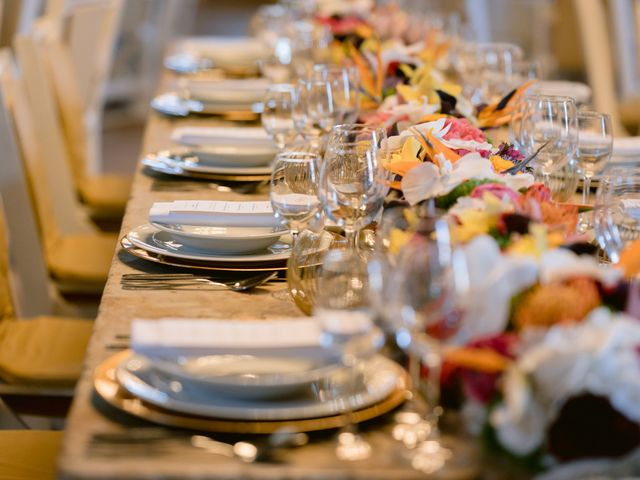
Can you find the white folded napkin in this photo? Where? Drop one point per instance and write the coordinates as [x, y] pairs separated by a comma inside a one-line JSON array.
[[222, 136], [170, 337], [214, 213], [626, 147]]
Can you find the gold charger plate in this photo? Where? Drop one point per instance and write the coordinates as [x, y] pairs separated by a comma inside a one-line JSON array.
[[184, 263], [106, 385]]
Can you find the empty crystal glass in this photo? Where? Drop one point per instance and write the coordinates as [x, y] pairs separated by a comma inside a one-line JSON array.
[[353, 180], [294, 189], [549, 125], [277, 114], [595, 144], [617, 211], [342, 307]]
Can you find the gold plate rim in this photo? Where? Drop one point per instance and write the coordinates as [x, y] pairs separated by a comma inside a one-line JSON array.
[[178, 262], [108, 388]]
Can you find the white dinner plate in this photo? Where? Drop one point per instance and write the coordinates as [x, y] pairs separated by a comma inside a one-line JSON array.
[[228, 92], [196, 165], [234, 156], [175, 105], [250, 376], [227, 240], [154, 240], [138, 375]]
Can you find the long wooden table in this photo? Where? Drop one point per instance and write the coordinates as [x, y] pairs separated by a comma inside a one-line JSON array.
[[90, 416]]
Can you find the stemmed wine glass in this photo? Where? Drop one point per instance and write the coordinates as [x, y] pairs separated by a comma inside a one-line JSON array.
[[549, 126], [345, 86], [431, 284], [277, 114], [315, 113], [353, 181], [617, 211], [294, 189], [343, 309], [595, 144]]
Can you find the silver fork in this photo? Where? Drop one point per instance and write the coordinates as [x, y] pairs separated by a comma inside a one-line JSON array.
[[176, 281]]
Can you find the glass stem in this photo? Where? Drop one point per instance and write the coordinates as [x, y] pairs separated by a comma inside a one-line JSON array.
[[586, 190], [351, 236], [414, 374], [433, 360]]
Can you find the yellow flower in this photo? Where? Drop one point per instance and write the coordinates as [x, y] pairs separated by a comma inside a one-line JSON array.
[[500, 164], [398, 239], [474, 223]]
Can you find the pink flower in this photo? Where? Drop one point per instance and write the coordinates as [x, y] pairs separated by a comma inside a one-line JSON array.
[[461, 128], [497, 189]]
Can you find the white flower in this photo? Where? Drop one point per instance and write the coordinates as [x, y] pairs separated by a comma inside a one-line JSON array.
[[597, 356], [426, 181], [494, 279], [560, 264], [519, 420]]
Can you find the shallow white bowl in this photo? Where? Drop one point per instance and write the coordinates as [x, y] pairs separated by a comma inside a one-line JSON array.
[[230, 240]]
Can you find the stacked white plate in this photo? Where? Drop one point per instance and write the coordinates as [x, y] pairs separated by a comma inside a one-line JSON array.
[[214, 97], [244, 235], [252, 370], [226, 52]]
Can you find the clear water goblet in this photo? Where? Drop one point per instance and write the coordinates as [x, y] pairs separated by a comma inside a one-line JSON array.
[[294, 189], [343, 309], [595, 145], [353, 180], [549, 124], [277, 113]]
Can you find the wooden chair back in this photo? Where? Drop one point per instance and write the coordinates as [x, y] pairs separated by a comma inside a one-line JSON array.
[[45, 127], [23, 270]]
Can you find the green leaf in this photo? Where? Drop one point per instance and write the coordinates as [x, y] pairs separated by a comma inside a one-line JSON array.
[[464, 189]]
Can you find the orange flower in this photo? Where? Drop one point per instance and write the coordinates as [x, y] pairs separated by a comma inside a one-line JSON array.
[[630, 259], [553, 303]]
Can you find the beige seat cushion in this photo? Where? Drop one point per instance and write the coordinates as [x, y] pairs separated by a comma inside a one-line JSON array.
[[29, 454], [43, 350], [630, 111], [106, 192], [82, 257]]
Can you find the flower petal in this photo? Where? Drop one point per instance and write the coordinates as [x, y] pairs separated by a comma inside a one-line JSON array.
[[421, 182]]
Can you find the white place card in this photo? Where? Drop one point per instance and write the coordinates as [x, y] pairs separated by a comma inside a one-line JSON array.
[[214, 213]]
